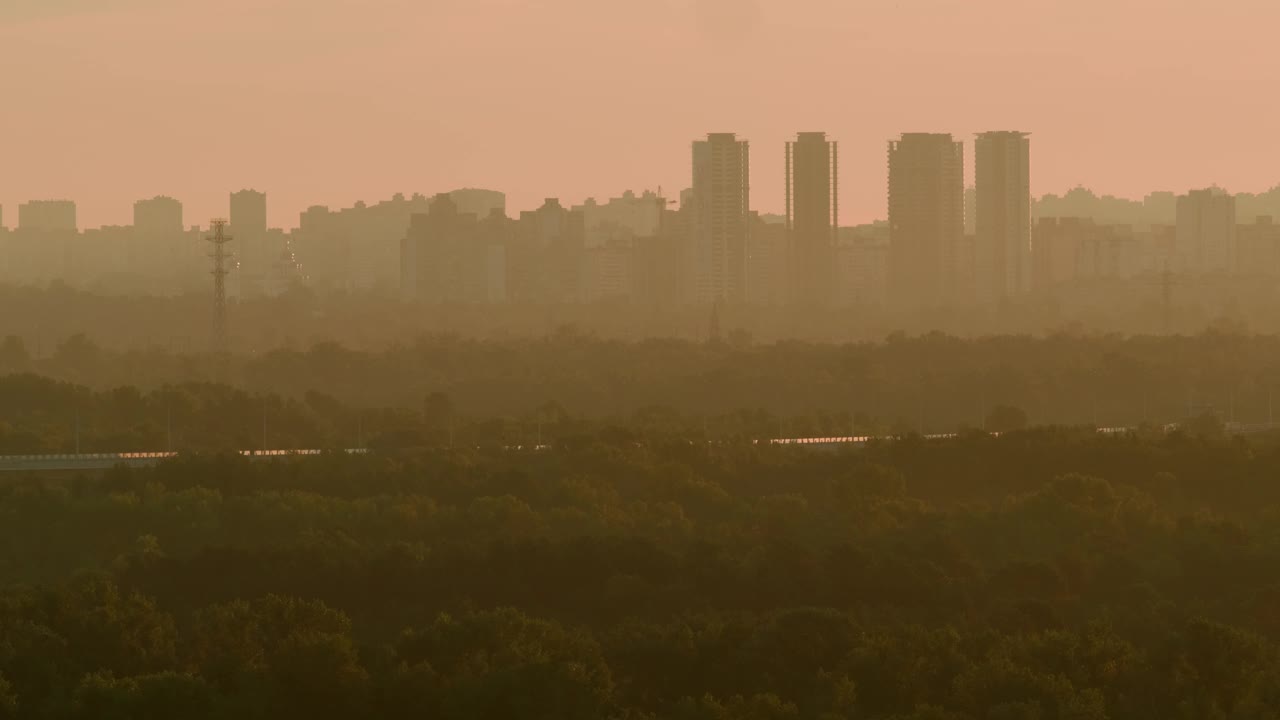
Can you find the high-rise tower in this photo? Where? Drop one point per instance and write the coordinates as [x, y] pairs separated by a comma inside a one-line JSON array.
[[254, 255], [1002, 262], [721, 204], [158, 216], [812, 182], [155, 247], [926, 218], [47, 216], [249, 212], [1205, 239]]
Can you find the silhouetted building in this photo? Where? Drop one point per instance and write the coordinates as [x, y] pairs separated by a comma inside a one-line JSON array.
[[862, 269], [658, 262], [546, 258], [721, 204], [155, 254], [768, 262], [1159, 247], [250, 252], [1160, 207], [963, 270], [1265, 204], [249, 212], [1113, 253], [360, 247], [1206, 235], [1055, 245], [158, 216], [1258, 248], [448, 257], [970, 211], [812, 183], [632, 247], [324, 245], [1002, 248], [926, 218], [1073, 252], [479, 202], [48, 216], [113, 258], [607, 272], [620, 219], [46, 246], [1079, 202]]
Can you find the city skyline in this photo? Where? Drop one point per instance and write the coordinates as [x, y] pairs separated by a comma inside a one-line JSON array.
[[323, 114], [773, 204], [639, 360], [942, 246]]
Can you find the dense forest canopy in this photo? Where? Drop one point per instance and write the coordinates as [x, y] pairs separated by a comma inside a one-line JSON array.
[[506, 391], [650, 559], [1046, 573]]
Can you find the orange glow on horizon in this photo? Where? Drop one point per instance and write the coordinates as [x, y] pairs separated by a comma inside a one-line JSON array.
[[334, 101]]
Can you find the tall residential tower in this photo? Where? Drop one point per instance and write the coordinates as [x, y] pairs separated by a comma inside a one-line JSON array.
[[721, 204], [48, 216], [249, 227], [1205, 239], [812, 166], [1002, 262], [926, 218]]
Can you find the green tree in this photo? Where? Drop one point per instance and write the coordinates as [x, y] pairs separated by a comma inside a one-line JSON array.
[[502, 664], [163, 696], [8, 701]]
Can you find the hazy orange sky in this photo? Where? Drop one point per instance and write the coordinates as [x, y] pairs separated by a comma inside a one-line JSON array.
[[333, 101]]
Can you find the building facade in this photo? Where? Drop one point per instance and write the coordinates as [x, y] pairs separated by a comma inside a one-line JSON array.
[[1002, 236], [48, 216], [1206, 232], [926, 218], [812, 186], [721, 206], [449, 256], [1258, 248]]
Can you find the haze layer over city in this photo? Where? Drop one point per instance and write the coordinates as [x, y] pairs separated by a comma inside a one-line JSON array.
[[675, 360]]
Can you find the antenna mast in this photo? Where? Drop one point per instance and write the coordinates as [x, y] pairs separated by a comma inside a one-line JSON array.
[[219, 239]]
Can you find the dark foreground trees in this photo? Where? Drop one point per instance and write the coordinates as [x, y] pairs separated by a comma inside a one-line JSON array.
[[1041, 574]]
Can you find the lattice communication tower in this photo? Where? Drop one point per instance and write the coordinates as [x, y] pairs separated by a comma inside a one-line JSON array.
[[221, 256]]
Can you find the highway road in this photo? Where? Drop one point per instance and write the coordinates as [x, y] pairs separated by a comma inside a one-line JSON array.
[[103, 461]]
